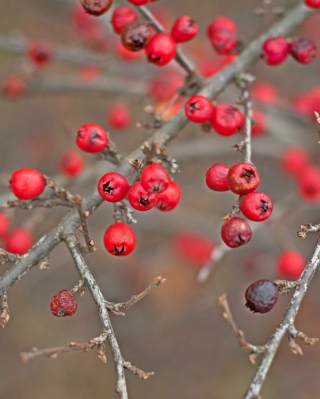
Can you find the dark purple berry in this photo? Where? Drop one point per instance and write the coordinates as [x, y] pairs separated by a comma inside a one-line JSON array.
[[261, 296]]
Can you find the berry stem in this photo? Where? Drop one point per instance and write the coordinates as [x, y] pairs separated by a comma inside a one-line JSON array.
[[247, 104]]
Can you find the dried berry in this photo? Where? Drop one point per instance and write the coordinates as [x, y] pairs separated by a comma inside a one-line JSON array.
[[261, 296], [63, 304], [135, 36], [96, 7]]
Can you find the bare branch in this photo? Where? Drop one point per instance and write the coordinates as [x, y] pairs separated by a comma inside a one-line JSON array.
[[134, 370]]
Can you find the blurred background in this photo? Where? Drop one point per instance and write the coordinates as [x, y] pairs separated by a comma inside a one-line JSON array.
[[177, 331]]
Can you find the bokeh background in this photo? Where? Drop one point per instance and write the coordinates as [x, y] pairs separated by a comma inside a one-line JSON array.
[[177, 331]]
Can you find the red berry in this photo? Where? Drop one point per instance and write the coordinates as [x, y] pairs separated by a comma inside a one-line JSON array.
[[96, 7], [198, 109], [243, 178], [119, 239], [309, 183], [63, 304], [18, 241], [216, 177], [221, 23], [140, 199], [27, 183], [293, 160], [303, 50], [184, 29], [290, 264], [169, 198], [70, 163], [312, 3], [91, 138], [119, 116], [264, 92], [235, 232], [135, 36], [40, 53], [224, 41], [113, 187], [227, 119], [256, 206], [161, 49], [121, 17], [261, 296], [259, 123], [138, 2], [154, 178], [14, 85], [275, 50], [4, 225]]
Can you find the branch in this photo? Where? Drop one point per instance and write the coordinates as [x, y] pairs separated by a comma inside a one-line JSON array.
[[308, 228]]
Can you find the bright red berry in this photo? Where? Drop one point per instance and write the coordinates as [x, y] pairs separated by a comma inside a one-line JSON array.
[[275, 50], [261, 296], [256, 206], [18, 241], [184, 29], [140, 199], [113, 187], [138, 2], [63, 304], [227, 119], [154, 178], [121, 17], [312, 3], [161, 49], [96, 7], [27, 183], [4, 225], [221, 23], [264, 92], [169, 198], [235, 232], [119, 116], [198, 109], [40, 53], [70, 163], [243, 178], [216, 177], [294, 160], [91, 138], [135, 36], [119, 239], [14, 85], [309, 183], [303, 50], [290, 264]]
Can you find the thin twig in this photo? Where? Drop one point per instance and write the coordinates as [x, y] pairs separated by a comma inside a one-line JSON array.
[[308, 228], [6, 256], [37, 203]]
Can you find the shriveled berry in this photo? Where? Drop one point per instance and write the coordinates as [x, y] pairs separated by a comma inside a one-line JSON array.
[[312, 3], [121, 17], [40, 53], [243, 178], [184, 29], [14, 85], [161, 49], [169, 198], [275, 50], [63, 304], [235, 232], [256, 206], [154, 178], [91, 138], [70, 163], [96, 7], [227, 119], [27, 183], [216, 177], [119, 116], [119, 239], [4, 225], [309, 183], [18, 241], [261, 296], [113, 187], [290, 264], [140, 199], [294, 160], [135, 36], [198, 109], [303, 50]]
